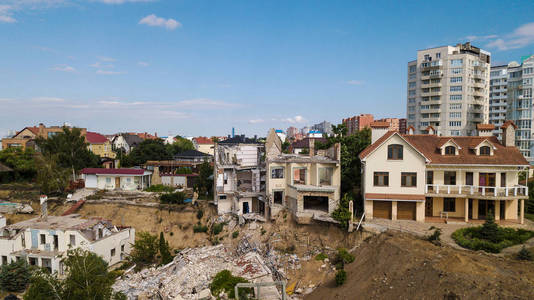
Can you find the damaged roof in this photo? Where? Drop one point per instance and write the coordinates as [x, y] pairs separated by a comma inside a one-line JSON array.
[[73, 222]]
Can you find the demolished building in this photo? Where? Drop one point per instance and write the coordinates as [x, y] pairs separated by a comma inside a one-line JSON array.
[[239, 174], [308, 185], [44, 241]]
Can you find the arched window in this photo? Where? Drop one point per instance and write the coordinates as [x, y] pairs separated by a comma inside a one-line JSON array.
[[450, 150], [485, 150], [395, 151]]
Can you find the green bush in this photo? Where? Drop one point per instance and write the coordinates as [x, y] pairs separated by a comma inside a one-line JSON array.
[[160, 188], [341, 277], [200, 228], [224, 281], [217, 228], [15, 276], [435, 236], [525, 254], [235, 234], [344, 256], [172, 198], [490, 237], [342, 213], [321, 256], [200, 214]]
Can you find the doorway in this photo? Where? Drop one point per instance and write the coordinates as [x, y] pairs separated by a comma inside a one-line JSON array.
[[485, 207], [246, 208], [470, 210], [502, 208], [429, 207], [117, 182]]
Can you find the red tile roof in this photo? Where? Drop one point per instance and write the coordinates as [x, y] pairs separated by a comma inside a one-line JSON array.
[[428, 145], [203, 140], [380, 124], [508, 123], [122, 171], [485, 126], [95, 138]]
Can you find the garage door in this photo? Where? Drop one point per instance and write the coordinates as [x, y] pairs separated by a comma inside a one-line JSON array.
[[382, 209], [405, 210]]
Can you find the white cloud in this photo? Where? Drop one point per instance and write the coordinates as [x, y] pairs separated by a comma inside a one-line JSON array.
[[9, 7], [64, 68], [519, 38], [204, 102], [256, 121], [100, 65], [153, 20], [296, 119], [7, 19], [108, 72], [481, 37], [47, 100], [355, 82], [143, 64]]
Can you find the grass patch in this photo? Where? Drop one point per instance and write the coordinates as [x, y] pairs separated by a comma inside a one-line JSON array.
[[224, 281], [200, 228], [235, 234], [172, 198], [217, 228], [321, 256], [490, 237]]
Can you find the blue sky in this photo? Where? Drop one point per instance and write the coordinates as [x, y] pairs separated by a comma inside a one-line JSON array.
[[203, 67]]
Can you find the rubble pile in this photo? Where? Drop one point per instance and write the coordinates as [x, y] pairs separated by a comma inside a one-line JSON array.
[[191, 273]]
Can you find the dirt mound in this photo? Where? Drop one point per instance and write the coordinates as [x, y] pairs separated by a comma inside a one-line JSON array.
[[400, 266]]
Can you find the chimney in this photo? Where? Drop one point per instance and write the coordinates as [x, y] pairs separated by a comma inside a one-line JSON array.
[[508, 133], [430, 130], [485, 129], [378, 129], [311, 146], [44, 212]]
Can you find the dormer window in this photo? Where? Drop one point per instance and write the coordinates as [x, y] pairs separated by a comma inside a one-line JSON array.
[[450, 150], [395, 152], [485, 150]]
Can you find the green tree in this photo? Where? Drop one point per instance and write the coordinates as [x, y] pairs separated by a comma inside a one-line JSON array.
[[21, 161], [50, 176], [146, 150], [145, 249], [87, 278], [14, 277], [285, 146], [204, 184], [70, 148], [342, 213], [180, 145], [164, 250]]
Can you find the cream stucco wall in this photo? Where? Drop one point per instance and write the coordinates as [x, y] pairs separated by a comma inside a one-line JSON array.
[[206, 148]]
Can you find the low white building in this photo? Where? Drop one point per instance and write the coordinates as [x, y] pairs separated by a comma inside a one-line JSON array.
[[111, 179], [44, 242]]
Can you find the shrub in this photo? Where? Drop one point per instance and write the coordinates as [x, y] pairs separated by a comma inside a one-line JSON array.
[[172, 198], [224, 281], [145, 249], [321, 256], [341, 277], [263, 231], [200, 214], [490, 238], [200, 228], [342, 213], [15, 276], [217, 228], [435, 236], [235, 234], [525, 254], [160, 188], [344, 256]]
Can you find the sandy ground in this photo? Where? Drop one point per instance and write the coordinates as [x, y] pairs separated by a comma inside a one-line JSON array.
[[401, 266]]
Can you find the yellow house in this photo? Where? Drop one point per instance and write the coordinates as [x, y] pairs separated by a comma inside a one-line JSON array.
[[429, 177], [99, 145]]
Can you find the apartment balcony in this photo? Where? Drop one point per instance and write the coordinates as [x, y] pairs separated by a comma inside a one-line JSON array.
[[431, 85], [479, 94], [430, 94], [480, 85], [430, 110], [477, 192]]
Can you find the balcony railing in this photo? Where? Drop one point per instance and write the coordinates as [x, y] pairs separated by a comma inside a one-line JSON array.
[[474, 190]]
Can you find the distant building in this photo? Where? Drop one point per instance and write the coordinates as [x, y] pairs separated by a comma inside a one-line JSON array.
[[126, 142], [305, 130], [204, 144], [324, 127], [27, 136], [358, 123], [497, 97], [116, 179], [395, 124], [402, 126], [315, 134], [281, 135], [292, 132], [99, 145]]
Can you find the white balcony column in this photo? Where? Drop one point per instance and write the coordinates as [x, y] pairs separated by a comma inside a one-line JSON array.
[[448, 189], [460, 189], [466, 209], [426, 189], [506, 191], [495, 192], [437, 188], [483, 191], [522, 211], [497, 210], [515, 190]]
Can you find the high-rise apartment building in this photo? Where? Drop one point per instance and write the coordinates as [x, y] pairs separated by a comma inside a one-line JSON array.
[[519, 104], [357, 123], [497, 97], [448, 89]]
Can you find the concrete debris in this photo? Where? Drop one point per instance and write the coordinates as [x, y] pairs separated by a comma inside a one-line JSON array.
[[189, 275]]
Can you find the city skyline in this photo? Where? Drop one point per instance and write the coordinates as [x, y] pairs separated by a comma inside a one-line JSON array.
[[201, 68]]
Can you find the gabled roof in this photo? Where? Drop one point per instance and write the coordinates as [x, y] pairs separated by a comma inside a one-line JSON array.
[[122, 171], [95, 138], [485, 126], [379, 124], [203, 140], [445, 141], [371, 148], [475, 143], [508, 123], [33, 129], [428, 145]]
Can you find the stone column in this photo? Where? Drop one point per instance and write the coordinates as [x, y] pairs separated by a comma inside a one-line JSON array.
[[497, 210], [393, 210], [466, 210], [522, 211], [351, 221]]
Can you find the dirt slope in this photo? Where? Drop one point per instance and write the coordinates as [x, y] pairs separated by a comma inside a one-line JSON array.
[[399, 266]]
